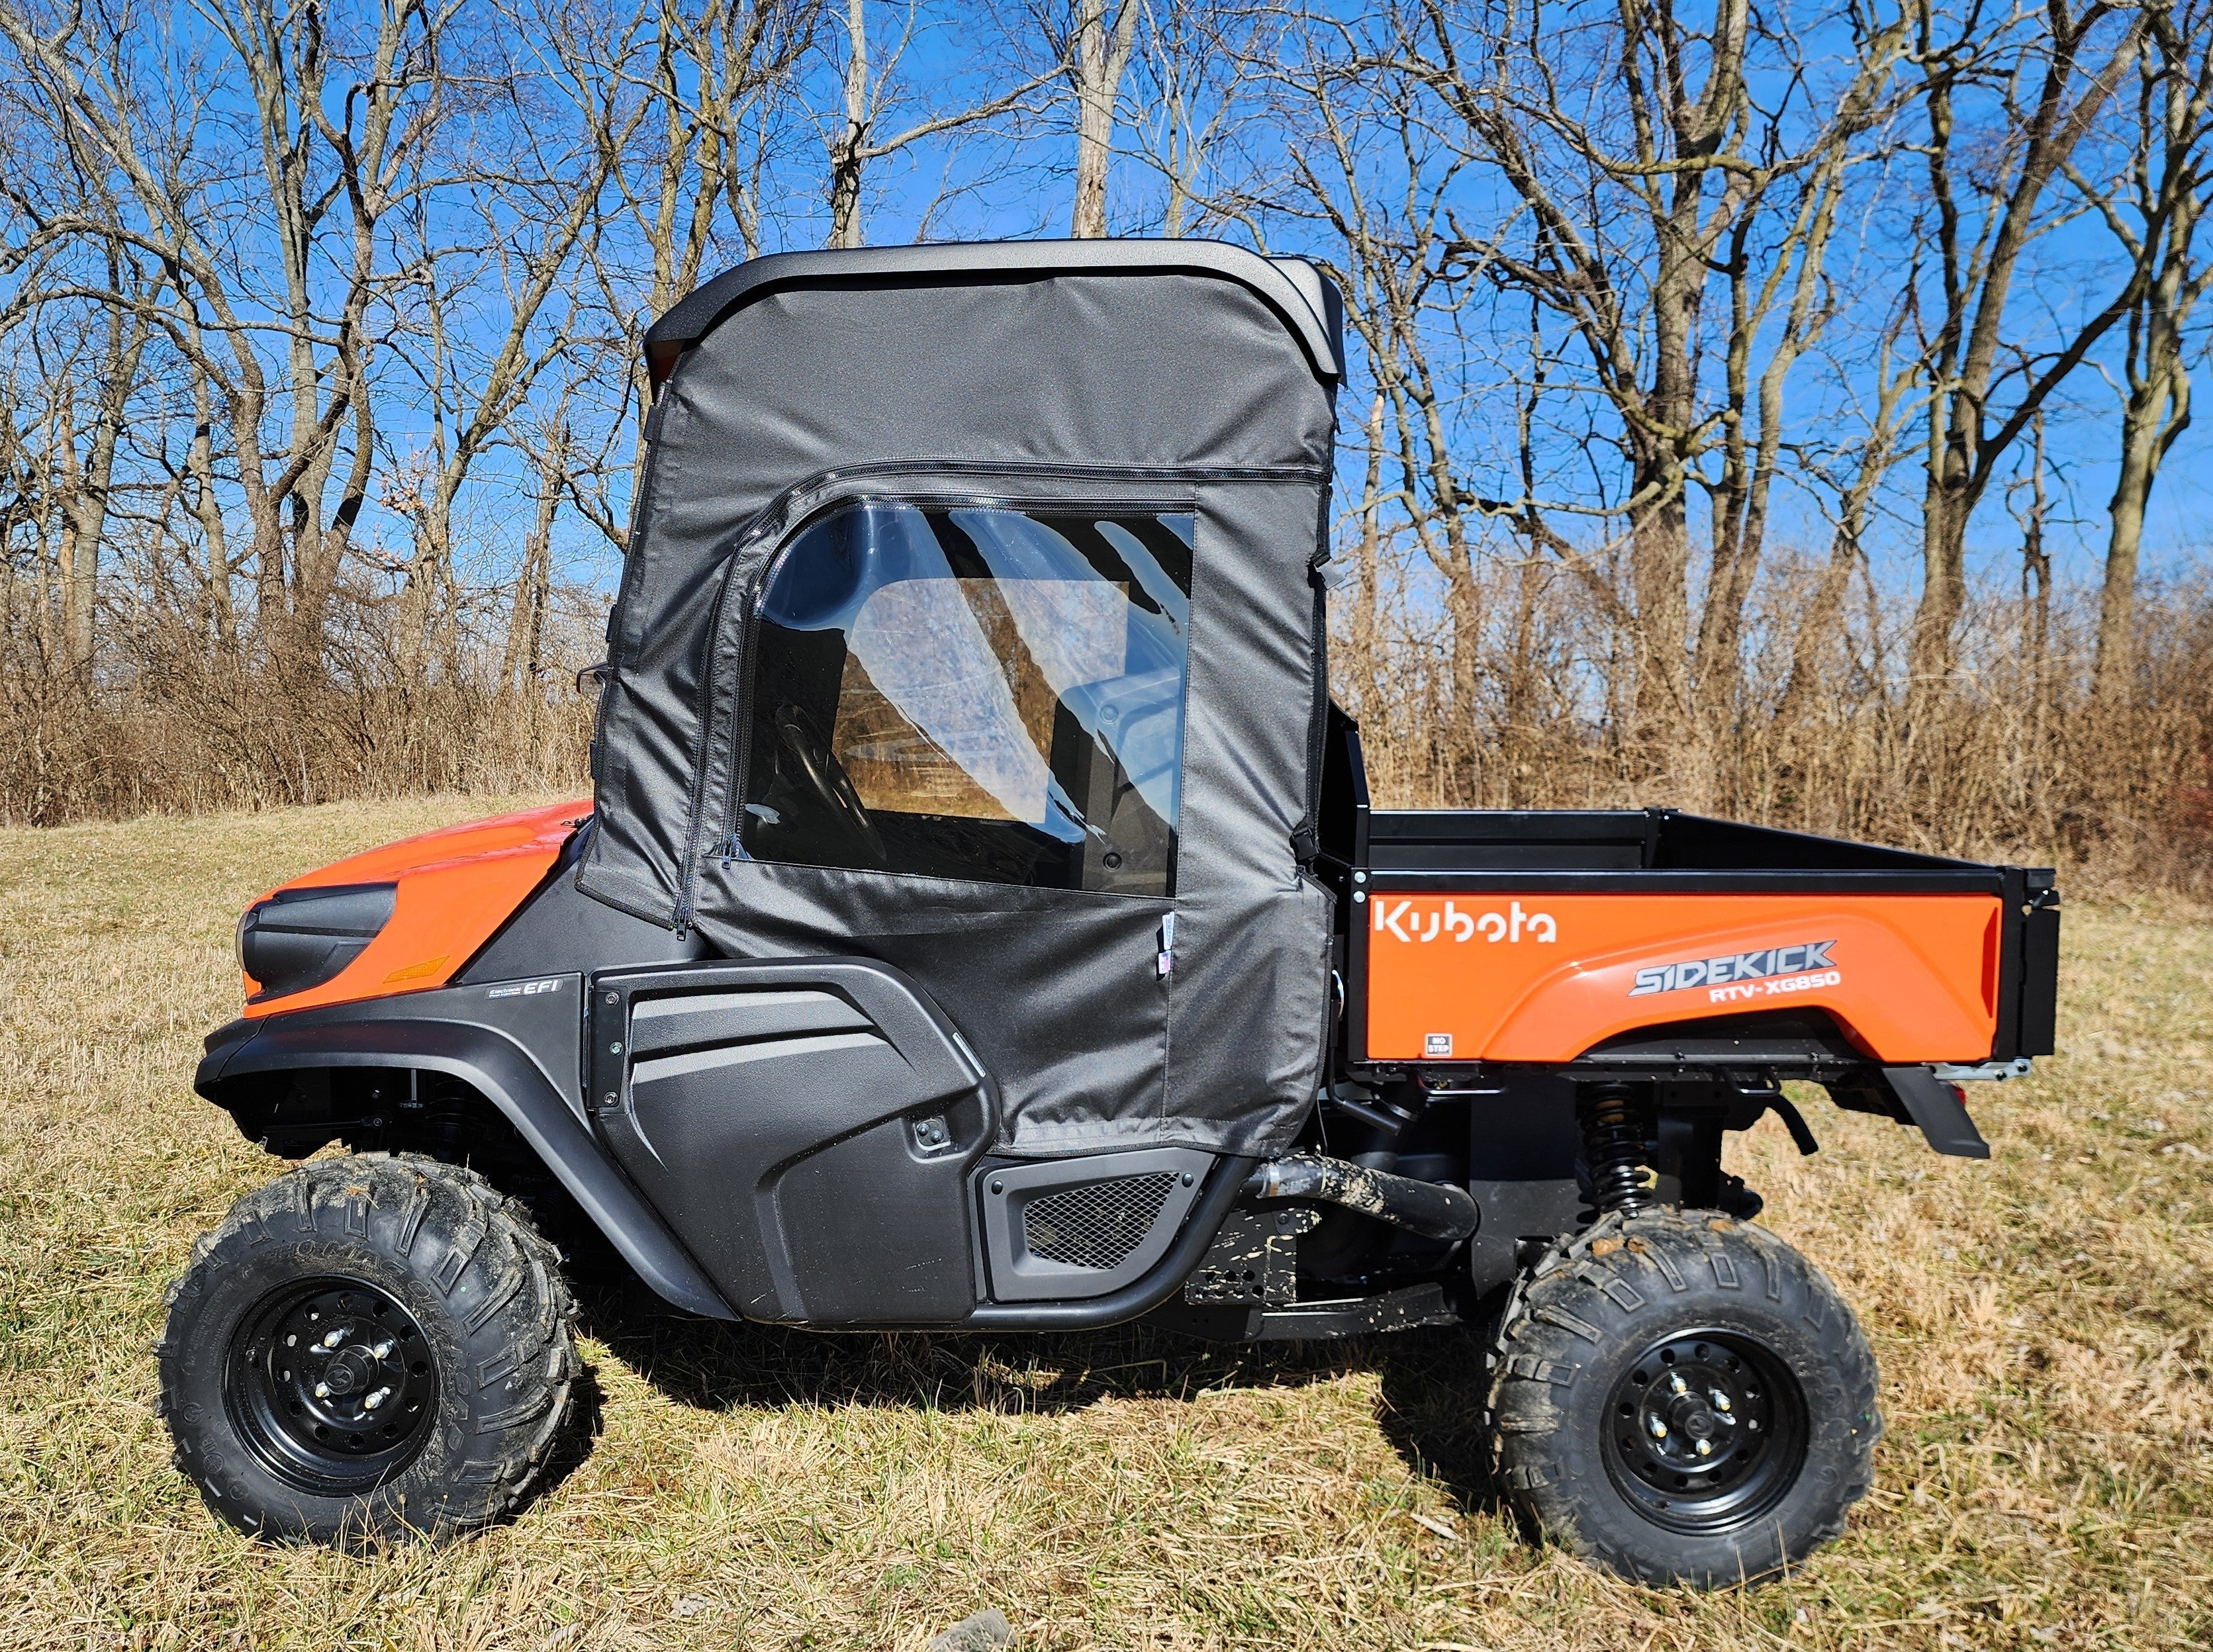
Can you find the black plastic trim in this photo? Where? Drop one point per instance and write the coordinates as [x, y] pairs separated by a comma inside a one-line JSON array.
[[1965, 880], [1005, 1191], [223, 1044], [2037, 1023], [502, 1070], [297, 939], [728, 1200], [1662, 839], [2029, 964], [558, 927], [1807, 1037], [891, 999], [1936, 1107], [1144, 1294]]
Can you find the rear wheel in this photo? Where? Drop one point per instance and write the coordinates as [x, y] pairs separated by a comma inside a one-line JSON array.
[[1682, 1397], [368, 1348]]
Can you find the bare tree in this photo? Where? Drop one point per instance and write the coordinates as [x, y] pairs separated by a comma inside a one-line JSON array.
[[1642, 155], [714, 77], [390, 115], [2155, 214], [1398, 295], [1987, 203], [89, 486], [1097, 56], [854, 135], [533, 209], [522, 660], [1868, 462], [1196, 63], [88, 73]]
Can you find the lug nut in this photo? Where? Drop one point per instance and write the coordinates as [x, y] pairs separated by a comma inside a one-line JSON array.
[[1706, 1448], [1721, 1400], [323, 1390], [1659, 1429], [385, 1348], [333, 1339], [383, 1394], [1676, 1385]]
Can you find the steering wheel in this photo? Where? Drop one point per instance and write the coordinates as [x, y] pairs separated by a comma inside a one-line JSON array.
[[826, 778]]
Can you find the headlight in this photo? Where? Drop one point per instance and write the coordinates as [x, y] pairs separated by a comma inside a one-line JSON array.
[[299, 938]]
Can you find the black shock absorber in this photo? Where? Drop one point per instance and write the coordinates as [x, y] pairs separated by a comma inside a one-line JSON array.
[[1613, 1147]]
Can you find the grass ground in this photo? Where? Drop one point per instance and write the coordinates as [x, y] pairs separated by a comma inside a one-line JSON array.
[[2044, 1324]]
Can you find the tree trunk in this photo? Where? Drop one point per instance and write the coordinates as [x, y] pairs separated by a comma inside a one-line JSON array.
[[848, 151], [1963, 450], [2154, 414], [520, 661], [1947, 501], [2169, 173], [221, 618], [1095, 67], [1367, 558], [1665, 737], [1519, 754], [87, 507]]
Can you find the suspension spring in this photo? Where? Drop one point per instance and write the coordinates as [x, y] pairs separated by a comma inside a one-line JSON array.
[[1613, 1148]]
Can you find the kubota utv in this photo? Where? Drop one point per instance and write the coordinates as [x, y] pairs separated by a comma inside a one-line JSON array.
[[981, 923]]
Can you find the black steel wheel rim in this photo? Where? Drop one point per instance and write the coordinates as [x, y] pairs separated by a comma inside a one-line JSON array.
[[1705, 1431], [332, 1385]]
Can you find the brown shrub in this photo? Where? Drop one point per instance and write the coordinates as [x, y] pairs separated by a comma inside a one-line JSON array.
[[167, 723], [2012, 761]]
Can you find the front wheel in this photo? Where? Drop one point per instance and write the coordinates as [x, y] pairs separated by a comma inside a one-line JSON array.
[[368, 1348], [1682, 1397]]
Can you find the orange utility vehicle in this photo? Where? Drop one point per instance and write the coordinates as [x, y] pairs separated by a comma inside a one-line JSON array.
[[981, 923]]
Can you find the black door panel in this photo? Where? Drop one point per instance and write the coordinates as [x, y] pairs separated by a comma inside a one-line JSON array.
[[805, 1126]]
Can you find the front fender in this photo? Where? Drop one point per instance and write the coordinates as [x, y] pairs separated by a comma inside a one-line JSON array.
[[492, 1038]]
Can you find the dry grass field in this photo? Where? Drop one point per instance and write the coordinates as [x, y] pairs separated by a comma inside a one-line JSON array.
[[2044, 1322]]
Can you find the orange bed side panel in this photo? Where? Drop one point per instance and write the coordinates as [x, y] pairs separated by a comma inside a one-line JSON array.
[[455, 887], [1545, 977]]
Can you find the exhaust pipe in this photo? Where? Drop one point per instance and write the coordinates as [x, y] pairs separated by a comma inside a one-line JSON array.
[[1433, 1210]]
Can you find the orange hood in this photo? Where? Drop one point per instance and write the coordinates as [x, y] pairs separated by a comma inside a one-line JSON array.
[[455, 887]]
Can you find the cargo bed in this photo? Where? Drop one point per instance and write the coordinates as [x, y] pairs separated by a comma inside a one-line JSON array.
[[1652, 939]]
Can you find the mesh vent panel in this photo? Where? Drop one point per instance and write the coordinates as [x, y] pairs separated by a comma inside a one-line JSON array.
[[1098, 1224]]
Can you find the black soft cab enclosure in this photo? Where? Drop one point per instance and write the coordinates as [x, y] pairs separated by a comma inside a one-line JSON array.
[[971, 627]]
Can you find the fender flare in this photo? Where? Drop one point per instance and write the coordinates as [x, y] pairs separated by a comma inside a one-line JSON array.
[[501, 1070]]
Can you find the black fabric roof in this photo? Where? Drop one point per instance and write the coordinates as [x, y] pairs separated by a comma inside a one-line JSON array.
[[1309, 305]]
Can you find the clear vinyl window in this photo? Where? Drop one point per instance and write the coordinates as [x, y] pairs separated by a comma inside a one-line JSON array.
[[982, 692]]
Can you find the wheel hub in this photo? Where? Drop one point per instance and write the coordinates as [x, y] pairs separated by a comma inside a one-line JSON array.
[[1706, 1431], [333, 1385]]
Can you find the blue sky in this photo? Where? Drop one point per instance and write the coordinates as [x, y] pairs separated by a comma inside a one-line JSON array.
[[1000, 183]]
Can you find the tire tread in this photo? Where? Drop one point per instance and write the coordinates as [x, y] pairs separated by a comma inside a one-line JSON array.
[[471, 1229], [1558, 1315]]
